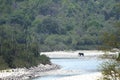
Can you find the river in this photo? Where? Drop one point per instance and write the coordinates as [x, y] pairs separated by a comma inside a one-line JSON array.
[[70, 67]]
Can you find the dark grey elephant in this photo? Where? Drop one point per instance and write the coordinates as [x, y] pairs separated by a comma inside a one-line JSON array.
[[81, 54]]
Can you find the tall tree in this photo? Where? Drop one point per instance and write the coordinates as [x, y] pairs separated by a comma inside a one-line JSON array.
[[111, 40]]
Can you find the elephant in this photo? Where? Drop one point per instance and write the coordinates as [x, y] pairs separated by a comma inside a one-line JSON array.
[[81, 54]]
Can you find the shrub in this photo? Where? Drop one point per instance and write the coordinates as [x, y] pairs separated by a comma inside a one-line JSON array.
[[111, 70], [44, 59]]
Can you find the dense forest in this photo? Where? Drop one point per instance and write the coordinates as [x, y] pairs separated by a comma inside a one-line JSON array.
[[28, 27]]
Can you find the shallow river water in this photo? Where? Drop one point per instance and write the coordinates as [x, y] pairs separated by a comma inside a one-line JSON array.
[[83, 65]]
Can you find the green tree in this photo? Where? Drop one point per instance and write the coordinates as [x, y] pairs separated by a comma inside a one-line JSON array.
[[112, 40]]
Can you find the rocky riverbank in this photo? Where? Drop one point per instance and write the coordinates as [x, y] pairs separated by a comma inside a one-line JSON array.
[[24, 74]]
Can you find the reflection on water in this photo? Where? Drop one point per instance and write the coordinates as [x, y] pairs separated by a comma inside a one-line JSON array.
[[82, 65]]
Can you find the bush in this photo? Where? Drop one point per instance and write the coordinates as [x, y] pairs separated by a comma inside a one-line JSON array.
[[111, 70], [44, 59]]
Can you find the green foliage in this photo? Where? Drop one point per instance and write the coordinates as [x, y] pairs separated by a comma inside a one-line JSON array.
[[30, 26], [110, 70], [111, 40], [15, 50], [3, 64], [44, 59], [49, 26]]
